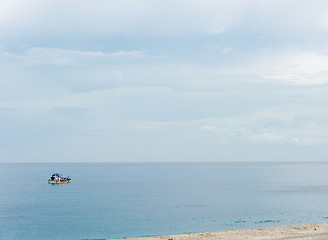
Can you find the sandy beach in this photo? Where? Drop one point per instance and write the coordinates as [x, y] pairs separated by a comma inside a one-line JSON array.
[[308, 231]]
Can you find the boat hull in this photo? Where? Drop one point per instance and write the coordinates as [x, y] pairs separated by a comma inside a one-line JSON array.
[[57, 182]]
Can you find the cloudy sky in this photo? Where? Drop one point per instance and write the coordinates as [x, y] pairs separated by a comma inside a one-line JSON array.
[[146, 80]]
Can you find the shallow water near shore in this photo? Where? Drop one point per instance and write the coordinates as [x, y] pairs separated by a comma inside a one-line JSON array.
[[117, 200]]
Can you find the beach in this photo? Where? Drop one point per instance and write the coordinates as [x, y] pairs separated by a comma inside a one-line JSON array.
[[307, 231]]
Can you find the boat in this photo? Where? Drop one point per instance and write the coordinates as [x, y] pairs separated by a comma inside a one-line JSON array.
[[56, 178]]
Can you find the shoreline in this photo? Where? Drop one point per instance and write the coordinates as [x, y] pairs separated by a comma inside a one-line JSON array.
[[317, 231]]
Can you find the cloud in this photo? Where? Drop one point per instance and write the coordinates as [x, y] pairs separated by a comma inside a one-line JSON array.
[[266, 137], [226, 50], [66, 57], [306, 68], [215, 31], [106, 17], [308, 141], [297, 68], [272, 126], [207, 128]]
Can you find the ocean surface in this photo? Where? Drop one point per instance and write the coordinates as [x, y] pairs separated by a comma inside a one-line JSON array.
[[117, 200]]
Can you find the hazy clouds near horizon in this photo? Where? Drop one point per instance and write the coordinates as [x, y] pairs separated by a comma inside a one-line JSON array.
[[163, 80]]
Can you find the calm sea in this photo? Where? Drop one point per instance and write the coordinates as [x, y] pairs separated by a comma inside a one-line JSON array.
[[117, 200]]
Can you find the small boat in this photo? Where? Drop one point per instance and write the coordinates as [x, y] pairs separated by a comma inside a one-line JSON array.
[[56, 178]]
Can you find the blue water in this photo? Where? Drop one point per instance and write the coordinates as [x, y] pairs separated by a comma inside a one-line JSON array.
[[117, 200]]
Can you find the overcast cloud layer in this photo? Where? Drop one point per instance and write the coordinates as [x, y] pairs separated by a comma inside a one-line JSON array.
[[141, 80]]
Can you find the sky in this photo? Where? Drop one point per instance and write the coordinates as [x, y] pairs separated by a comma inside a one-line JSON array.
[[163, 81]]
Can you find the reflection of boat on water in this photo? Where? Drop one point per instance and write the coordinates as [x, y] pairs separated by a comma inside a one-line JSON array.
[[56, 178]]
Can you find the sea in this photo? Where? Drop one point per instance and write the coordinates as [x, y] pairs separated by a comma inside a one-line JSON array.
[[121, 200]]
